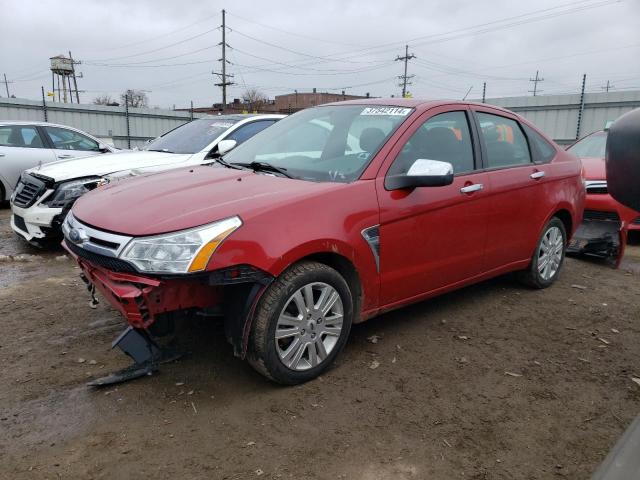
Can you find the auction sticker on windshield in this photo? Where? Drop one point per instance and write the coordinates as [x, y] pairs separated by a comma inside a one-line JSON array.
[[398, 111], [222, 124]]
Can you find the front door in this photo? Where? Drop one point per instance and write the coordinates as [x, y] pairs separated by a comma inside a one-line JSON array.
[[69, 143], [433, 237]]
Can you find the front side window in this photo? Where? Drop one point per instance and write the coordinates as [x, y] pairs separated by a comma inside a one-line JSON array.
[[192, 137], [20, 136], [504, 140], [332, 143], [249, 130], [592, 146], [63, 139], [445, 137]]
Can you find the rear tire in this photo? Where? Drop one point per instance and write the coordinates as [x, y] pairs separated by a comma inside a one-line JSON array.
[[301, 324], [548, 257]]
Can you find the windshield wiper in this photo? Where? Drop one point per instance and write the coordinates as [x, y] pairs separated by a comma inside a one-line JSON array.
[[266, 167], [224, 163], [163, 150]]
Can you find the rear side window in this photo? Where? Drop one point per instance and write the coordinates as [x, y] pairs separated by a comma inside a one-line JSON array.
[[541, 149], [249, 130], [505, 143], [443, 137], [20, 136]]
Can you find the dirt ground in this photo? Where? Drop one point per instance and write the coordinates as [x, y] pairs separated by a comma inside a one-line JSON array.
[[495, 381]]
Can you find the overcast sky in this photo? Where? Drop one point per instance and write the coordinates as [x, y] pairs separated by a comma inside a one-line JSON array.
[[169, 47]]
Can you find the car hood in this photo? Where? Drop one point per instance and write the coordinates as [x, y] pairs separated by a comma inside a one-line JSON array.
[[190, 197], [593, 168], [99, 165]]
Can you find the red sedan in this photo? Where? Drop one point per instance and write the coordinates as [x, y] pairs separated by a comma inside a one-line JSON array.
[[603, 231], [328, 218]]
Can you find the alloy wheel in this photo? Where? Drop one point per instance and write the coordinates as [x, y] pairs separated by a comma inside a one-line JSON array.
[[309, 326], [550, 252]]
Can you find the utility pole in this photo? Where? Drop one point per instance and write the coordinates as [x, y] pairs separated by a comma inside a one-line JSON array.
[[484, 90], [75, 81], [581, 109], [607, 87], [535, 83], [224, 76], [405, 77], [6, 85]]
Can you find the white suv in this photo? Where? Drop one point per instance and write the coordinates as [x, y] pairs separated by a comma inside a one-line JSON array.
[[28, 144], [44, 194]]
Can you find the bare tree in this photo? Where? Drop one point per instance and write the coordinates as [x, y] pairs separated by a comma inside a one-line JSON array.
[[103, 100], [255, 98], [135, 98]]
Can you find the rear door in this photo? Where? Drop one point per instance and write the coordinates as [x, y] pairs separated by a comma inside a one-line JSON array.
[[517, 211], [433, 237], [21, 147], [68, 143]]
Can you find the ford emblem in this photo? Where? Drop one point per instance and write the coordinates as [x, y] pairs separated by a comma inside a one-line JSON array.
[[77, 235]]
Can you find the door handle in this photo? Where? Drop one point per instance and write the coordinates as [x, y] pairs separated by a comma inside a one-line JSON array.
[[2, 155], [537, 175], [472, 188], [65, 156]]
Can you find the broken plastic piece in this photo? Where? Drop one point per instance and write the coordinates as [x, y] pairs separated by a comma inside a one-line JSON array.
[[145, 352]]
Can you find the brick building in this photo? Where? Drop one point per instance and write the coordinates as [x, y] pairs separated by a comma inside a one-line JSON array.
[[292, 102]]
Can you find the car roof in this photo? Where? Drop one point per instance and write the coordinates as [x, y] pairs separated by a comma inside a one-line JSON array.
[[31, 122], [422, 104], [243, 116]]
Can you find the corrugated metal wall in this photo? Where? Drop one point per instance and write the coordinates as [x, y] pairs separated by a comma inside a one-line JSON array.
[[557, 115], [99, 120]]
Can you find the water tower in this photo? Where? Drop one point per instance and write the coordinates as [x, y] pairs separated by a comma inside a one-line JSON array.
[[62, 73]]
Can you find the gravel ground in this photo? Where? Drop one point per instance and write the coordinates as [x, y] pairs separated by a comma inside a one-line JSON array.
[[495, 381]]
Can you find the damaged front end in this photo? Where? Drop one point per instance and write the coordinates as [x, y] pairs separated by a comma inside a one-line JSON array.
[[151, 304], [601, 234]]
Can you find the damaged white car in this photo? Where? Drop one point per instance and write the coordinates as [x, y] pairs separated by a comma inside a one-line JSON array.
[[44, 194]]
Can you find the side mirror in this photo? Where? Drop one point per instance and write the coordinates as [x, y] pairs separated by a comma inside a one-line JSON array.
[[225, 146], [423, 173], [623, 159], [102, 148]]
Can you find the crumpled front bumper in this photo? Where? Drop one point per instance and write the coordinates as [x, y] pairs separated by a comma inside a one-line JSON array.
[[37, 222], [140, 299]]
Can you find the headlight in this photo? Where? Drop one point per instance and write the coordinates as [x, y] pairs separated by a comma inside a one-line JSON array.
[[179, 252], [70, 191]]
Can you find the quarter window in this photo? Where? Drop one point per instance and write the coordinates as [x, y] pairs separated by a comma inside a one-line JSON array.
[[505, 143], [444, 137], [542, 150], [20, 136], [63, 139]]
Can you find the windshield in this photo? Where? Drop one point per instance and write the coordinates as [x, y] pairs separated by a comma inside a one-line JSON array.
[[591, 146], [192, 137], [323, 144]]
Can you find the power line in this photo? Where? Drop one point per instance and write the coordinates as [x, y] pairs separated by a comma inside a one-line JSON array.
[[315, 39], [159, 48], [166, 34]]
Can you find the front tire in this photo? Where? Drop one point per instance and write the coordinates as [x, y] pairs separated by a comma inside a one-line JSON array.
[[302, 323], [548, 257]]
